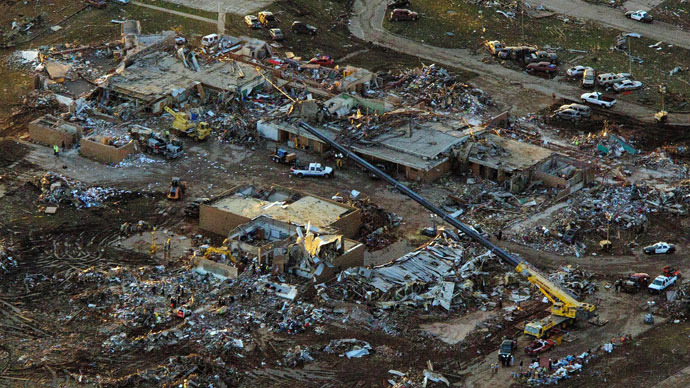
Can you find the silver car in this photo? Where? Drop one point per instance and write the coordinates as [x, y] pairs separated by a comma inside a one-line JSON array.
[[568, 114]]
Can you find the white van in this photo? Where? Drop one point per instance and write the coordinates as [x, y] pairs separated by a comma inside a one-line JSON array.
[[588, 78], [210, 40], [608, 79]]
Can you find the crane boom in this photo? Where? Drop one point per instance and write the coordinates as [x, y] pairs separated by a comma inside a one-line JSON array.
[[566, 305]]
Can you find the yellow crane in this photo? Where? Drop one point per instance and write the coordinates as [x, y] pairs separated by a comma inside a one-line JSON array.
[[565, 308], [182, 123]]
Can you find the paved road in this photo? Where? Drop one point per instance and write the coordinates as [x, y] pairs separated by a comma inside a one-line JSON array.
[[615, 18], [366, 24]]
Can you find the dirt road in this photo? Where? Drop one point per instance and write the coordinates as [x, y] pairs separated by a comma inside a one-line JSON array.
[[615, 18], [366, 24]]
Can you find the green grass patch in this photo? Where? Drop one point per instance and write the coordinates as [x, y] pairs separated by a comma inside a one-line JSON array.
[[457, 24], [675, 12]]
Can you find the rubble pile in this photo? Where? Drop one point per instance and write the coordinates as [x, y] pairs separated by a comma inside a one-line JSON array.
[[7, 261], [444, 273], [57, 189], [377, 224], [576, 280], [435, 88]]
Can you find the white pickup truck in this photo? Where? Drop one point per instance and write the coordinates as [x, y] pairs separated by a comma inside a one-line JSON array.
[[314, 169], [597, 98], [661, 283]]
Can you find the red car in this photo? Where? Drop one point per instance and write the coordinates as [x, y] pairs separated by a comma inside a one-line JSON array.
[[539, 346], [544, 67], [323, 60], [97, 3]]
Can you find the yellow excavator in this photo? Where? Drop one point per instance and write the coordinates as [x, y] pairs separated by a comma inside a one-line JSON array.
[[220, 251], [183, 124]]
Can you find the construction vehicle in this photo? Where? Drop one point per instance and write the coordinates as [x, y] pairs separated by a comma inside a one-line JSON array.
[[155, 143], [184, 124], [566, 308], [177, 189], [670, 271], [282, 156], [661, 116], [222, 251], [606, 245]]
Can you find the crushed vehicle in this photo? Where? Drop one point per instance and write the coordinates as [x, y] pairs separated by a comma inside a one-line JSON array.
[[571, 234], [252, 21], [398, 3], [608, 79], [626, 85], [494, 46], [635, 282], [598, 98], [314, 169], [403, 14], [640, 16], [659, 248], [303, 28], [267, 19], [276, 34], [588, 78], [568, 115], [539, 346], [542, 67], [170, 149], [505, 352], [577, 71], [584, 110], [322, 60], [209, 40], [542, 56]]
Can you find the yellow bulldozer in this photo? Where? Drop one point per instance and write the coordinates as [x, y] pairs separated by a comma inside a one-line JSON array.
[[182, 123]]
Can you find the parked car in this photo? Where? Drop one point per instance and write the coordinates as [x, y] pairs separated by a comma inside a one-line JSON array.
[[635, 282], [521, 52], [494, 46], [640, 16], [180, 40], [576, 71], [608, 79], [569, 115], [398, 3], [97, 3], [539, 346], [314, 169], [276, 34], [123, 2], [322, 60], [252, 21], [627, 85], [505, 352], [302, 28], [541, 56], [659, 248], [542, 67], [403, 14], [598, 98], [209, 40], [267, 19], [584, 110], [589, 78]]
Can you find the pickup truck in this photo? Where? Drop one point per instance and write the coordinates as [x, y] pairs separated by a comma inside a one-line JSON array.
[[598, 98], [314, 169], [661, 283]]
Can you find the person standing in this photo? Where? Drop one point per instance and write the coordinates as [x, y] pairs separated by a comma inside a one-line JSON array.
[[56, 151]]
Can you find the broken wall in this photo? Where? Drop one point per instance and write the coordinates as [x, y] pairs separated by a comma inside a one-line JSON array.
[[349, 224], [221, 270], [219, 221], [49, 130], [105, 153], [434, 173]]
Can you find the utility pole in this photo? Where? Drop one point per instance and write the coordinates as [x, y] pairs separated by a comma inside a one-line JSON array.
[[522, 20], [630, 55]]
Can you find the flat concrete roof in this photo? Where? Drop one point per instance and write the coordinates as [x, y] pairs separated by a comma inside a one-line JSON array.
[[423, 142], [509, 154], [319, 213], [159, 74]]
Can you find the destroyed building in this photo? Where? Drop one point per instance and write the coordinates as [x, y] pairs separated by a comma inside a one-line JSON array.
[[158, 79], [518, 163], [240, 205], [106, 149], [48, 130]]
